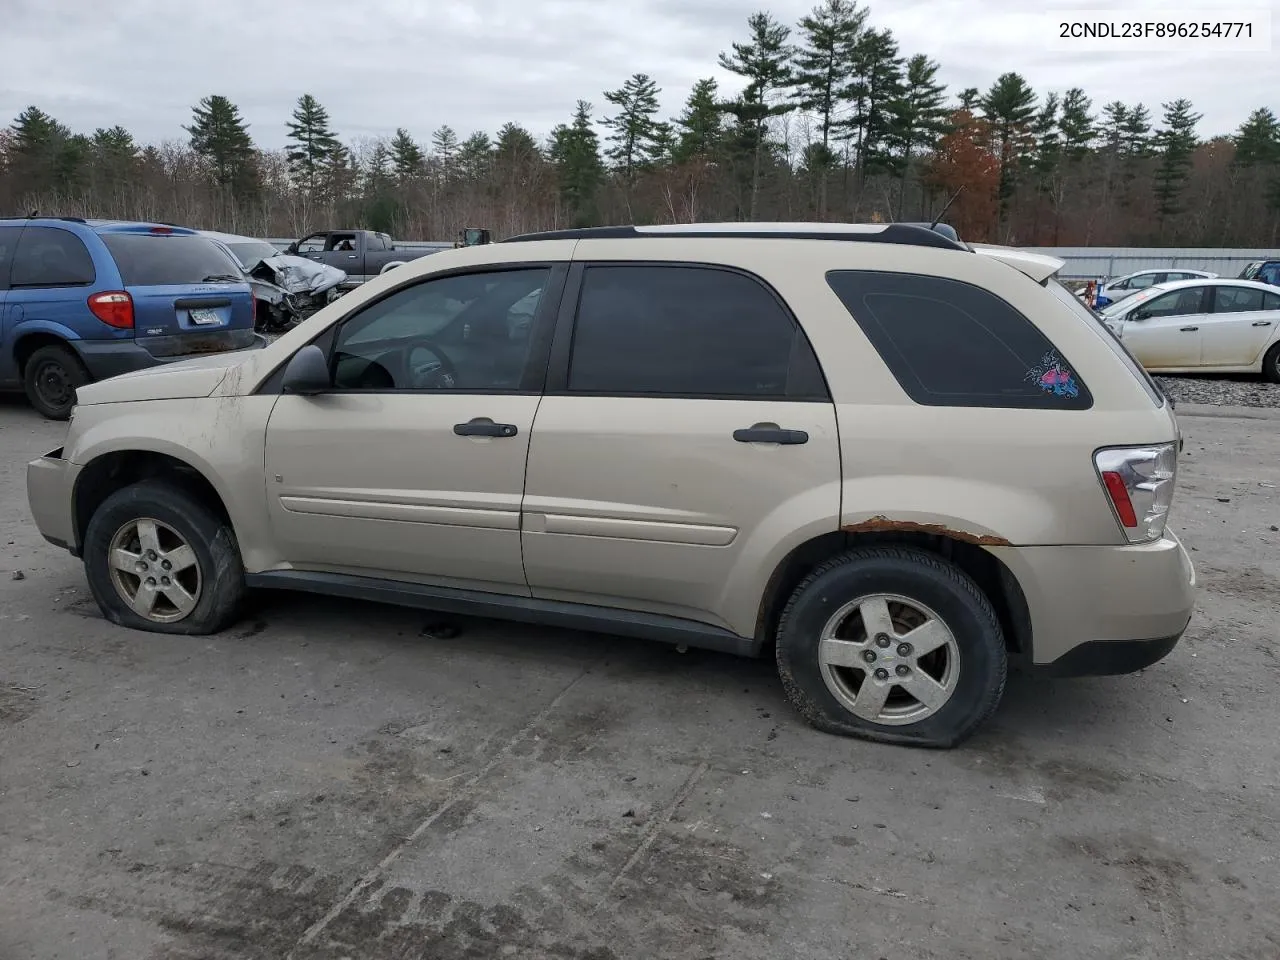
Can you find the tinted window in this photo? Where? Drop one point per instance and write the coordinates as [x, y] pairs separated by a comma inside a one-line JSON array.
[[1269, 273], [8, 245], [1172, 304], [373, 241], [1237, 300], [687, 331], [1144, 280], [1271, 301], [153, 261], [953, 344], [470, 332], [49, 257]]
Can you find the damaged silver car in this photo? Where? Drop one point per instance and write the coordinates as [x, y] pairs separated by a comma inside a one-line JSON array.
[[288, 289]]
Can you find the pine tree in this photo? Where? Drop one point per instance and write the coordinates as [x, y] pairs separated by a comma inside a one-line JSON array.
[[969, 99], [876, 83], [763, 61], [378, 169], [115, 155], [829, 35], [36, 154], [575, 151], [312, 145], [444, 148], [1114, 117], [1009, 106], [633, 137], [1076, 125], [1137, 131], [221, 137], [1048, 140], [1258, 139], [475, 156], [1174, 142], [699, 130], [919, 117], [407, 159]]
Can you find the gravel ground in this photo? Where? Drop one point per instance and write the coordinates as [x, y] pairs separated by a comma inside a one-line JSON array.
[[1239, 391], [330, 779]]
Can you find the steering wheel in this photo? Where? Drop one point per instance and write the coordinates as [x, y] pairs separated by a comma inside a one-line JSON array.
[[436, 373]]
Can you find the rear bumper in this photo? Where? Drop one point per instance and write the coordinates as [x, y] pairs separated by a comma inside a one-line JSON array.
[[109, 358], [1104, 610], [49, 482]]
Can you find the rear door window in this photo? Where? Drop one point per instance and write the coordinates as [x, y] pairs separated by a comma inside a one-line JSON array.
[[147, 261], [1237, 300], [51, 257], [949, 343], [1271, 301], [687, 331]]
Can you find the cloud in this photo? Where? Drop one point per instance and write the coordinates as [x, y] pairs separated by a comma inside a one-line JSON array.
[[476, 65]]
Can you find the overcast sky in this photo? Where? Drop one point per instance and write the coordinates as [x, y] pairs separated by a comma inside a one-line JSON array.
[[475, 64]]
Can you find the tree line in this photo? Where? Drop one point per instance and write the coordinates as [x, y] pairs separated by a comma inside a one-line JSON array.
[[834, 122]]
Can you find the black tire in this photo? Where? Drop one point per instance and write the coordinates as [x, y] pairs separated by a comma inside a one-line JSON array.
[[51, 377], [917, 575], [1271, 364], [222, 586]]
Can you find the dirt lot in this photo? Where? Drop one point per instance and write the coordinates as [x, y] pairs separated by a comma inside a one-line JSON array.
[[324, 781]]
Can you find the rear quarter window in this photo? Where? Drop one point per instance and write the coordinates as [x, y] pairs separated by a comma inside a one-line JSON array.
[[949, 343], [51, 257], [157, 261]]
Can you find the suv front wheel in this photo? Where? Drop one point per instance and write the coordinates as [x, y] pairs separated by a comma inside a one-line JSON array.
[[892, 644], [159, 559]]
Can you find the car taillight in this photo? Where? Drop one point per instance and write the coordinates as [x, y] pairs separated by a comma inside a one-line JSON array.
[[114, 308], [1139, 482]]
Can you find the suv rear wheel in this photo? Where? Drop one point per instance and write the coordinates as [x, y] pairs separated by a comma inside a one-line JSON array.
[[158, 559], [892, 644], [51, 377]]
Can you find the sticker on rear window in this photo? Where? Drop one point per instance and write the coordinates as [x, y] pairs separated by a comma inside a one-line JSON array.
[[1054, 377]]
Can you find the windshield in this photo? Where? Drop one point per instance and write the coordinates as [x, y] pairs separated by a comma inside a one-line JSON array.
[[1117, 307], [252, 252], [1120, 350], [157, 261]]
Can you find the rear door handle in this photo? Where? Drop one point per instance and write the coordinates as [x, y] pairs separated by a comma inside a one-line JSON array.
[[1189, 329], [759, 434], [482, 427], [1262, 323]]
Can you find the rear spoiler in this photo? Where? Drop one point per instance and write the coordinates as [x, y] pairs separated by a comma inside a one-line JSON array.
[[1037, 266]]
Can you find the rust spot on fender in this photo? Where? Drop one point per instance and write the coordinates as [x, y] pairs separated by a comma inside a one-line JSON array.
[[885, 525]]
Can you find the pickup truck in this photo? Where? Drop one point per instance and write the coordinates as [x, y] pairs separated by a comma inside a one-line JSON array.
[[362, 254]]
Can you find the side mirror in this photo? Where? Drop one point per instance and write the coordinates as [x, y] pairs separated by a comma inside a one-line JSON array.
[[307, 373], [1138, 315]]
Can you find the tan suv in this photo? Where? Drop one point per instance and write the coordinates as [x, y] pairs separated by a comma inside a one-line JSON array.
[[892, 457]]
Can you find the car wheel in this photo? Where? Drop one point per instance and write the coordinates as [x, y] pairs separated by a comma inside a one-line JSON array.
[[1271, 364], [159, 559], [51, 377], [892, 644]]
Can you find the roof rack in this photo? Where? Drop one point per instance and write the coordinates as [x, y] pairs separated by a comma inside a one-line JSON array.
[[940, 236]]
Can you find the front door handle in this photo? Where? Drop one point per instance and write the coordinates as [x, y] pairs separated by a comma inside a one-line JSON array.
[[765, 434], [1190, 329], [484, 427], [1262, 323]]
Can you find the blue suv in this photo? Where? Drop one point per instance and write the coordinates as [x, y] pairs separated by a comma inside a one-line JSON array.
[[83, 300]]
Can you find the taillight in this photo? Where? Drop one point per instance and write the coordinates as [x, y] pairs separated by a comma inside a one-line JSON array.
[[1139, 482], [114, 308]]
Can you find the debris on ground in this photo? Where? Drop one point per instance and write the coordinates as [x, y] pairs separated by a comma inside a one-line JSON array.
[[19, 575], [440, 629]]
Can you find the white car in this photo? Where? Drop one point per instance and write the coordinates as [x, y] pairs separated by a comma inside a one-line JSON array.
[[1119, 288], [1196, 326]]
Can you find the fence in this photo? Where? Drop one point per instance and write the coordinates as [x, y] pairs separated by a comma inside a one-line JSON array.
[[1100, 263]]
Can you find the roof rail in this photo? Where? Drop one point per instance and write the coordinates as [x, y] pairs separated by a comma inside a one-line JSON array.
[[37, 216], [910, 234]]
